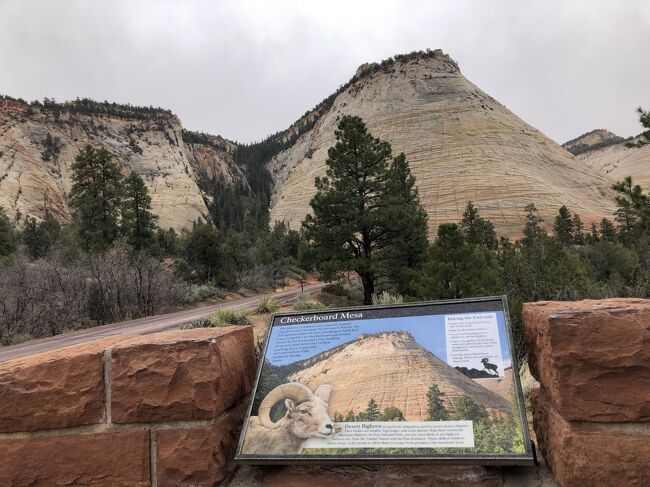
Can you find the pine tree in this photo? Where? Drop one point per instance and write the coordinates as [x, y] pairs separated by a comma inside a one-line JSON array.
[[8, 236], [350, 417], [436, 410], [477, 229], [97, 196], [37, 238], [644, 137], [466, 408], [372, 411], [406, 251], [138, 222], [358, 213], [533, 227], [607, 230], [578, 227], [633, 211], [456, 269], [563, 226]]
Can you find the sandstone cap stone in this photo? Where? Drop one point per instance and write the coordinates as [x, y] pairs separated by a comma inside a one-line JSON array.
[[181, 375], [56, 389], [591, 357]]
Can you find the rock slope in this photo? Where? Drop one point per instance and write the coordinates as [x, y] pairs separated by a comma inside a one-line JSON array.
[[152, 145], [608, 153], [394, 370], [460, 142]]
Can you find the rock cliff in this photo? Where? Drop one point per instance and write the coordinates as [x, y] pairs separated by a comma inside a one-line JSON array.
[[36, 175], [609, 154], [460, 142], [394, 370]]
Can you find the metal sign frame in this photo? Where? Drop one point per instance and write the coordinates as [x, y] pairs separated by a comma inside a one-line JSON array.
[[405, 309]]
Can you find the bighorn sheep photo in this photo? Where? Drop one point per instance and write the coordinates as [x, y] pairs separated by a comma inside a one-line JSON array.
[[489, 368], [306, 417]]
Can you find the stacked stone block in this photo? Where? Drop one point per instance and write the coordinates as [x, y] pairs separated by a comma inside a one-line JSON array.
[[592, 410], [163, 409]]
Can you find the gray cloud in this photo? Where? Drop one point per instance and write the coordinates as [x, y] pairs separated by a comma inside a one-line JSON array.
[[247, 69]]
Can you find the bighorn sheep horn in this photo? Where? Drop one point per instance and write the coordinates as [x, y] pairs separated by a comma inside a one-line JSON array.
[[294, 390]]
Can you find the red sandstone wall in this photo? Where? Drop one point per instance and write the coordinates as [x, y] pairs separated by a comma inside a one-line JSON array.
[[592, 412], [159, 410]]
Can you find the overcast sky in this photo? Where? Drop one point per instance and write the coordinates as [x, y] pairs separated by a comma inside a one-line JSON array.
[[247, 69]]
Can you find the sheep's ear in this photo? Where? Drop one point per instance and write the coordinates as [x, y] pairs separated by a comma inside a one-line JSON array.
[[290, 406], [323, 392]]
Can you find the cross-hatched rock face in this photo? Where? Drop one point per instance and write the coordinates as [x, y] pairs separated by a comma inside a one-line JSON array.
[[394, 370], [619, 161], [461, 145], [154, 147]]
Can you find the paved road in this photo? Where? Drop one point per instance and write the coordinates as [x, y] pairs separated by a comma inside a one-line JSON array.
[[142, 326]]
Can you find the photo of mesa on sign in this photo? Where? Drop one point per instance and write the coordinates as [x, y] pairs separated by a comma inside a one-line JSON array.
[[401, 383]]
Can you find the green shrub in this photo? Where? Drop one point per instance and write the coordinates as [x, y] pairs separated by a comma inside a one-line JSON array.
[[20, 338], [335, 289], [200, 323], [387, 298], [304, 303], [267, 305], [199, 292], [228, 317]]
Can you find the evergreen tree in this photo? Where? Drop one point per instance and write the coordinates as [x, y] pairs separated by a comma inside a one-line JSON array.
[[356, 219], [350, 417], [578, 227], [563, 226], [477, 230], [633, 210], [456, 269], [372, 411], [8, 236], [204, 253], [644, 137], [592, 236], [138, 222], [607, 230], [97, 196], [406, 251], [436, 410], [533, 227], [36, 238], [466, 408], [391, 413]]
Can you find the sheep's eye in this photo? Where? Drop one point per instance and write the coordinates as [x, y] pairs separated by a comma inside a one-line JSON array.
[[306, 412]]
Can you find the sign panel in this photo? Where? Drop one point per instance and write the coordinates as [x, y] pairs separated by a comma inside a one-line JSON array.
[[401, 383]]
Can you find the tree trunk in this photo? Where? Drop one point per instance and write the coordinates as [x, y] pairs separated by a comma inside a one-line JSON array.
[[368, 287]]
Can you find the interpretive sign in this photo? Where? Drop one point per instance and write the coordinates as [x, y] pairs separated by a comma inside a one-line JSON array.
[[415, 382]]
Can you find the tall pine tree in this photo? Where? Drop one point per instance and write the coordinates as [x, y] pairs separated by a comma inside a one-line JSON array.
[[138, 222], [8, 236], [97, 196], [477, 229], [359, 216], [563, 226]]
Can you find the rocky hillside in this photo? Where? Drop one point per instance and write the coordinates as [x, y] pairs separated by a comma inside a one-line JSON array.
[[461, 144], [609, 154], [394, 370], [38, 144]]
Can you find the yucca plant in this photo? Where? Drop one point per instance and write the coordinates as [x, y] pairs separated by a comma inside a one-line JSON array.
[[267, 305], [229, 317]]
